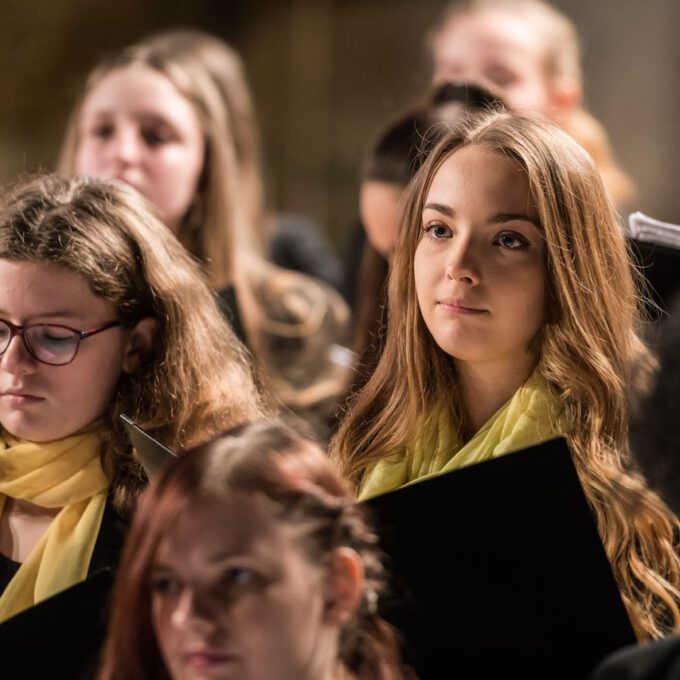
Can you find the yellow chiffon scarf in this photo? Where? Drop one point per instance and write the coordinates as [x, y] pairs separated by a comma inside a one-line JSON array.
[[67, 474], [533, 415]]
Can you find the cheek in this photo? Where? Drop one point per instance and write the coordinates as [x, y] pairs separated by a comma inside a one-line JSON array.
[[160, 622], [87, 160], [426, 273], [174, 184], [526, 300]]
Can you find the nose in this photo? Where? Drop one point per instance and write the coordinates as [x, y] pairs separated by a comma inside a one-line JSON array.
[[194, 611], [125, 146], [462, 262], [16, 359]]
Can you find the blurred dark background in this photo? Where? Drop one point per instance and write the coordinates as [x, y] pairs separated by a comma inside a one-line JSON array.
[[326, 74]]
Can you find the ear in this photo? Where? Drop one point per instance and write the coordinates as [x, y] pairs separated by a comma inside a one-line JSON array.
[[565, 95], [344, 585], [139, 343]]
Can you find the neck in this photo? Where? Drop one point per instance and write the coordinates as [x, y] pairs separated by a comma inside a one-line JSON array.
[[486, 387], [21, 525]]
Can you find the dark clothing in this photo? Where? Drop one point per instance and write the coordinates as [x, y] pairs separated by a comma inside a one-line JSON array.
[[8, 568], [226, 299], [654, 661], [299, 244], [660, 266], [352, 263], [105, 555], [110, 541], [54, 640]]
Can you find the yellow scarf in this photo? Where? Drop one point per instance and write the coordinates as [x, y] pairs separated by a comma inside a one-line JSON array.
[[533, 415], [67, 474]]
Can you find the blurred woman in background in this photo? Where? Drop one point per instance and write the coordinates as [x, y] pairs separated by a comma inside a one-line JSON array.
[[526, 52], [155, 116], [248, 560]]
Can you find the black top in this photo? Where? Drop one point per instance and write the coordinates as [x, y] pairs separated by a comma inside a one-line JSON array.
[[226, 299], [300, 244], [655, 661], [75, 619], [8, 568]]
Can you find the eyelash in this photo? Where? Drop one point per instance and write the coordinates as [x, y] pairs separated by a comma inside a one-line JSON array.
[[164, 585], [429, 231], [151, 136], [522, 243], [235, 576]]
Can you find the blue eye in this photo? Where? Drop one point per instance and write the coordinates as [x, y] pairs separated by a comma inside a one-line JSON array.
[[511, 241], [437, 230]]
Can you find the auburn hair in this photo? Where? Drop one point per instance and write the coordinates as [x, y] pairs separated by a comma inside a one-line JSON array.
[[267, 461]]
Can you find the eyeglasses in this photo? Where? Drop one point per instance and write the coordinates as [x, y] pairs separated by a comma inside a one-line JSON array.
[[49, 343]]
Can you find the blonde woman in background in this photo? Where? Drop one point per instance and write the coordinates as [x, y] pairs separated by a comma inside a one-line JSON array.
[[156, 115], [526, 52], [512, 319]]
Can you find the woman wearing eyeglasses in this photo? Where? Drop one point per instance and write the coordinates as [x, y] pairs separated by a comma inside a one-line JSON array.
[[102, 312]]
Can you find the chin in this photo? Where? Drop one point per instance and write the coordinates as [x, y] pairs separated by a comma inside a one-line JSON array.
[[36, 432]]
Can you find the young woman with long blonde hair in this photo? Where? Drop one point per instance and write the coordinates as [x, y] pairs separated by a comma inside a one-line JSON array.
[[171, 116], [513, 317]]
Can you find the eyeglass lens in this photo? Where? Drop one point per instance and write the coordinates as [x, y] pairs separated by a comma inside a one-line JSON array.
[[51, 344]]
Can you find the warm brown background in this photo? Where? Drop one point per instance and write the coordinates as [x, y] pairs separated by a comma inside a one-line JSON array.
[[327, 73]]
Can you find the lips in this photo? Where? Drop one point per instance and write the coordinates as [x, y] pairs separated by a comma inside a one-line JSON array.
[[456, 306], [201, 659], [20, 396]]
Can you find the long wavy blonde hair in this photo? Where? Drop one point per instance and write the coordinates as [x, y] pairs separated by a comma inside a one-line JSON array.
[[590, 354], [197, 380], [289, 319]]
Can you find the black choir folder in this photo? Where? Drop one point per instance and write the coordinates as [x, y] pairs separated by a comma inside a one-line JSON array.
[[152, 454], [499, 572]]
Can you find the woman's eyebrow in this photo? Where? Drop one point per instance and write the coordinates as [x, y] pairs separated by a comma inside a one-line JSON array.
[[439, 207], [501, 218], [62, 314]]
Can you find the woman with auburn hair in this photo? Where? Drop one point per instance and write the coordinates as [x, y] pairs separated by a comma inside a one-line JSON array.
[[513, 318], [113, 316], [527, 52], [248, 559], [170, 117]]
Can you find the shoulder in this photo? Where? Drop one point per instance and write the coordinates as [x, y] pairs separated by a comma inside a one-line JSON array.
[[654, 661]]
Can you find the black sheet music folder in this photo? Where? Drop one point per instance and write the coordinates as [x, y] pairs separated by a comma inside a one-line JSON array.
[[499, 571]]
